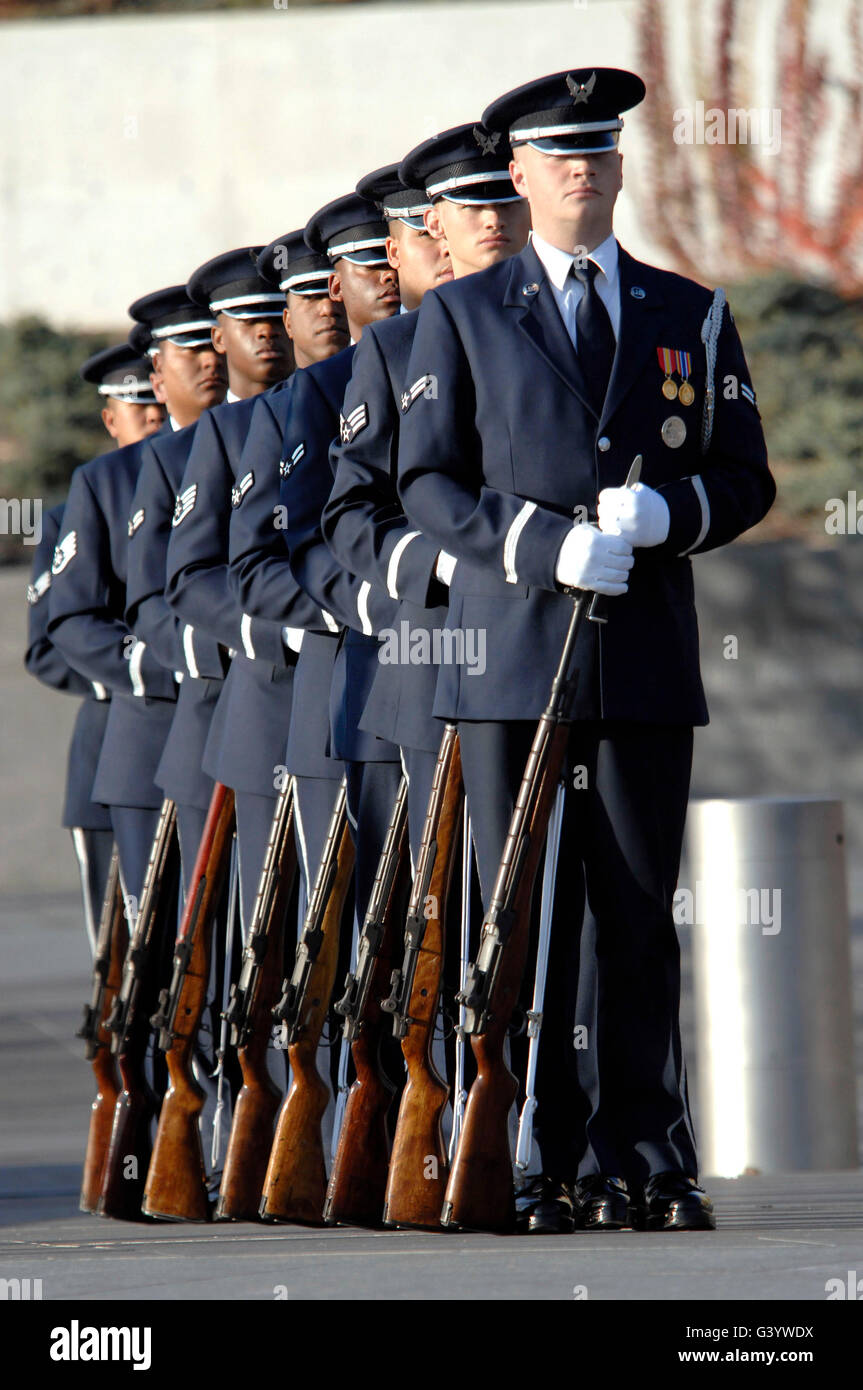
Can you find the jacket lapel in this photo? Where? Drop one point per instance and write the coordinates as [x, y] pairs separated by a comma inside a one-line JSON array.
[[640, 324], [540, 321]]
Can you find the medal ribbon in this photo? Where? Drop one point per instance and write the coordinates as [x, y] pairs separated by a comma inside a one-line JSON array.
[[674, 360]]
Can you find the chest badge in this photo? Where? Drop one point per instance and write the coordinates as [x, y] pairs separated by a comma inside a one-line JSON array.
[[530, 289], [637, 292], [675, 362], [673, 431]]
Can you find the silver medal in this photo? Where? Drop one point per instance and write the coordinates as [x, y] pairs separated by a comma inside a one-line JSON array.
[[673, 432]]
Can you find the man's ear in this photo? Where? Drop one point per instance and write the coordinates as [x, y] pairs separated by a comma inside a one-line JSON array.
[[434, 222], [217, 333], [392, 252], [108, 421], [286, 320], [517, 174], [156, 380], [334, 286]]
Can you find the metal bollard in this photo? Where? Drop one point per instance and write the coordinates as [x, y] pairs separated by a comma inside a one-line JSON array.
[[772, 968]]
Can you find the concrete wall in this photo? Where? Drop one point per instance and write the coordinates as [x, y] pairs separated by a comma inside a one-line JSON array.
[[133, 149]]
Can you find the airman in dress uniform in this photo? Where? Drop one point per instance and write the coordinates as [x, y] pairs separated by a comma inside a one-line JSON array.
[[130, 412]]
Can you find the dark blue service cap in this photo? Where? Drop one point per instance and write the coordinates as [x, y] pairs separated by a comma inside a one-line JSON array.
[[231, 284], [140, 340], [290, 263], [576, 112], [122, 373], [395, 201], [172, 316], [349, 228], [467, 164]]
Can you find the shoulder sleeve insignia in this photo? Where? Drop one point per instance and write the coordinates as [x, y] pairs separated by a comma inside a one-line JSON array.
[[65, 550], [135, 521], [748, 394], [245, 484], [184, 504], [287, 466], [350, 425], [414, 392], [39, 587]]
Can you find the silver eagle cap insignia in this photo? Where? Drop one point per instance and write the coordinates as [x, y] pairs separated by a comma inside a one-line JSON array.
[[580, 91]]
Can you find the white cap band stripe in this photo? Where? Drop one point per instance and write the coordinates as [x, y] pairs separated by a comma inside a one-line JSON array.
[[465, 181], [543, 132]]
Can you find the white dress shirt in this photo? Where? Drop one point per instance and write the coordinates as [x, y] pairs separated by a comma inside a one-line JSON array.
[[568, 291]]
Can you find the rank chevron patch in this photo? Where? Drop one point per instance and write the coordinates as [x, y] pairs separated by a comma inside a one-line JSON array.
[[245, 484], [414, 392], [184, 504], [287, 466], [39, 587], [350, 425], [64, 551], [135, 521]]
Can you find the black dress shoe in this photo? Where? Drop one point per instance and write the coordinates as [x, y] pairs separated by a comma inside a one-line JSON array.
[[544, 1208], [674, 1202], [601, 1203]]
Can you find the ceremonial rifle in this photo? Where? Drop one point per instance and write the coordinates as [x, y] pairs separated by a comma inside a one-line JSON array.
[[295, 1182], [479, 1193], [359, 1175], [176, 1181], [111, 944], [418, 1164], [129, 1021], [250, 1015]]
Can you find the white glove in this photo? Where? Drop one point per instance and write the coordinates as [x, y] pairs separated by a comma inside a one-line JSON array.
[[638, 514], [590, 560], [444, 567], [293, 637]]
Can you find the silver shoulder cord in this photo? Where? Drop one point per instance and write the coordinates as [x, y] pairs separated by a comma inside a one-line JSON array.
[[710, 330], [460, 1094], [534, 1018], [219, 1073], [342, 1088]]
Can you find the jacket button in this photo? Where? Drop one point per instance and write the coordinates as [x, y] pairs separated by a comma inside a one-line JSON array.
[[603, 444]]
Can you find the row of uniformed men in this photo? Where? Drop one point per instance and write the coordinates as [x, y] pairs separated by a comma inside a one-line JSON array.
[[170, 551], [437, 471]]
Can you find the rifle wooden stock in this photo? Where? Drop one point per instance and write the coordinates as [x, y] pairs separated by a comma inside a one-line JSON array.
[[295, 1182], [418, 1165], [175, 1189], [129, 1149], [359, 1177], [479, 1192], [251, 1136], [111, 947]]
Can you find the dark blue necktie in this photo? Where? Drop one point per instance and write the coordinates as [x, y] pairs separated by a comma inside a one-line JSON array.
[[595, 340]]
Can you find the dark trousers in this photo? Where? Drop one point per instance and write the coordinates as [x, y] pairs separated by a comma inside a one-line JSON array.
[[93, 849], [254, 819], [314, 798], [371, 794], [134, 828], [611, 1083], [419, 766], [190, 828]]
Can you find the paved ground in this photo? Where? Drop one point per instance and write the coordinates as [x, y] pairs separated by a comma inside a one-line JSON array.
[[779, 1238]]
